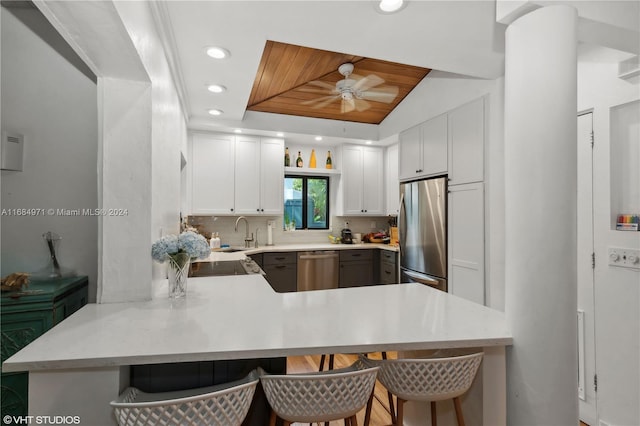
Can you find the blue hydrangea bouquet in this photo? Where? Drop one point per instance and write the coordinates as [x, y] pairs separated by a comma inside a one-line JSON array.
[[179, 251]]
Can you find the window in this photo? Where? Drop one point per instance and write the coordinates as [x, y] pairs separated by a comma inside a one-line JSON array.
[[306, 202]]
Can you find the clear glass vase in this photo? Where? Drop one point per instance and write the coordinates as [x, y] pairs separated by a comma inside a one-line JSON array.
[[177, 272]]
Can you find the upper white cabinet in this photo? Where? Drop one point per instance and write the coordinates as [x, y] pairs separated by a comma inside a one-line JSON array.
[[236, 175], [423, 149], [362, 180], [392, 185], [466, 143], [212, 171], [271, 176]]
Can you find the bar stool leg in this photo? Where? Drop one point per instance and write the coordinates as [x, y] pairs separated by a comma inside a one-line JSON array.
[[400, 411], [367, 413], [434, 415], [273, 418], [331, 359], [322, 362], [459, 416], [392, 410]]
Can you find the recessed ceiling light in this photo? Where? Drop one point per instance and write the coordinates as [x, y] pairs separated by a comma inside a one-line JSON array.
[[215, 112], [390, 6], [217, 52], [216, 88], [279, 134], [368, 142], [318, 138], [237, 131]]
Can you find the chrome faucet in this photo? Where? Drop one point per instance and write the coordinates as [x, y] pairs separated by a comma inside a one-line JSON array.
[[247, 240]]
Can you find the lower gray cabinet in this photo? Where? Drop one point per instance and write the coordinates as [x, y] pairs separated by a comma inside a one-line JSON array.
[[281, 270], [388, 267], [356, 268]]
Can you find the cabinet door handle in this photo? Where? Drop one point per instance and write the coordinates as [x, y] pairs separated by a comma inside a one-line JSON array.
[[280, 258], [281, 266], [356, 255]]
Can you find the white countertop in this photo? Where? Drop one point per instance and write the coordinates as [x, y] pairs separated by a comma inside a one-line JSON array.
[[240, 317], [221, 255]]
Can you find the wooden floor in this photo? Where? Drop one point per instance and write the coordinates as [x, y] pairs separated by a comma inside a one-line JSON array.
[[380, 411]]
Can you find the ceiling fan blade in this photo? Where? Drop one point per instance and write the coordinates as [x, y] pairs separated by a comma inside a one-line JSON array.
[[348, 105], [321, 102], [314, 90], [381, 94], [362, 105], [368, 82], [323, 84]]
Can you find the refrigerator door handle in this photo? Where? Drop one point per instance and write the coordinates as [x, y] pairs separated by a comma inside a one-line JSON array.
[[420, 278], [400, 209]]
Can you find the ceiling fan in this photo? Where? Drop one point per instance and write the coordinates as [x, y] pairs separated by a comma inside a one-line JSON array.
[[353, 90]]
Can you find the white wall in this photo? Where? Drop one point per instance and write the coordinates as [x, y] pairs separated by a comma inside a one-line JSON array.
[[168, 132], [617, 291], [54, 105]]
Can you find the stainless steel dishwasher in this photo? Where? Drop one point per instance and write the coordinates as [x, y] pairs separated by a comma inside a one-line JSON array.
[[317, 270]]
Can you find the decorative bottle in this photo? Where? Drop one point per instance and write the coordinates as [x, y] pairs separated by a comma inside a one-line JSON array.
[[312, 160], [329, 163], [287, 160], [299, 160]]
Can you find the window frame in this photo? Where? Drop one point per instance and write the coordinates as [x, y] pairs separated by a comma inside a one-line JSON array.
[[305, 178]]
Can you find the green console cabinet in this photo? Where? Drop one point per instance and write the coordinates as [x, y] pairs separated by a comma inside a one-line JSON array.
[[26, 315]]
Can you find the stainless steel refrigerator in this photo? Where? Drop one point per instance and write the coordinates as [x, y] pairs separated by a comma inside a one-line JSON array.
[[422, 224]]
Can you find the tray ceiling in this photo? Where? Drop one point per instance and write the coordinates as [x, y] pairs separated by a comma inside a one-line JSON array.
[[288, 76]]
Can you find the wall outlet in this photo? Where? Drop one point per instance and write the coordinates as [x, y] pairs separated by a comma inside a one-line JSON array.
[[271, 223], [373, 224], [625, 258]]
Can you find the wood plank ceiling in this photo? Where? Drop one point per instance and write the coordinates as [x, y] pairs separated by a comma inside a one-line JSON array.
[[289, 76]]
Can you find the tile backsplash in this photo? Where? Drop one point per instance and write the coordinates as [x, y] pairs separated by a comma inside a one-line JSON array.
[[225, 226]]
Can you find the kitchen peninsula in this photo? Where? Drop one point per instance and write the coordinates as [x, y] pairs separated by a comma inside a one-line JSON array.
[[241, 317]]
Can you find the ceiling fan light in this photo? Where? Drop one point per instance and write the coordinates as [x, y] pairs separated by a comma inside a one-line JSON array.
[[217, 52], [390, 5]]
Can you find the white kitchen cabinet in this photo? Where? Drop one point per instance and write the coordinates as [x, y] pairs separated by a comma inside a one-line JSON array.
[[212, 174], [271, 176], [466, 143], [466, 241], [410, 153], [247, 175], [237, 175], [392, 185], [423, 149], [362, 180]]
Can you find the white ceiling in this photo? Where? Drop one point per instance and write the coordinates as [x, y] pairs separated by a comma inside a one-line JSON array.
[[460, 37]]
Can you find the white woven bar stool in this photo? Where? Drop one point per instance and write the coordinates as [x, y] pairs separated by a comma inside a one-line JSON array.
[[319, 397], [226, 404], [429, 379]]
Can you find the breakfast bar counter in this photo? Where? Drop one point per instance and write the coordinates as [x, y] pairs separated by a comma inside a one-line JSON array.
[[241, 317]]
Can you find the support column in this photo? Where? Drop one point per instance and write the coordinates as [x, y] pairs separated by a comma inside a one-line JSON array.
[[540, 217]]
